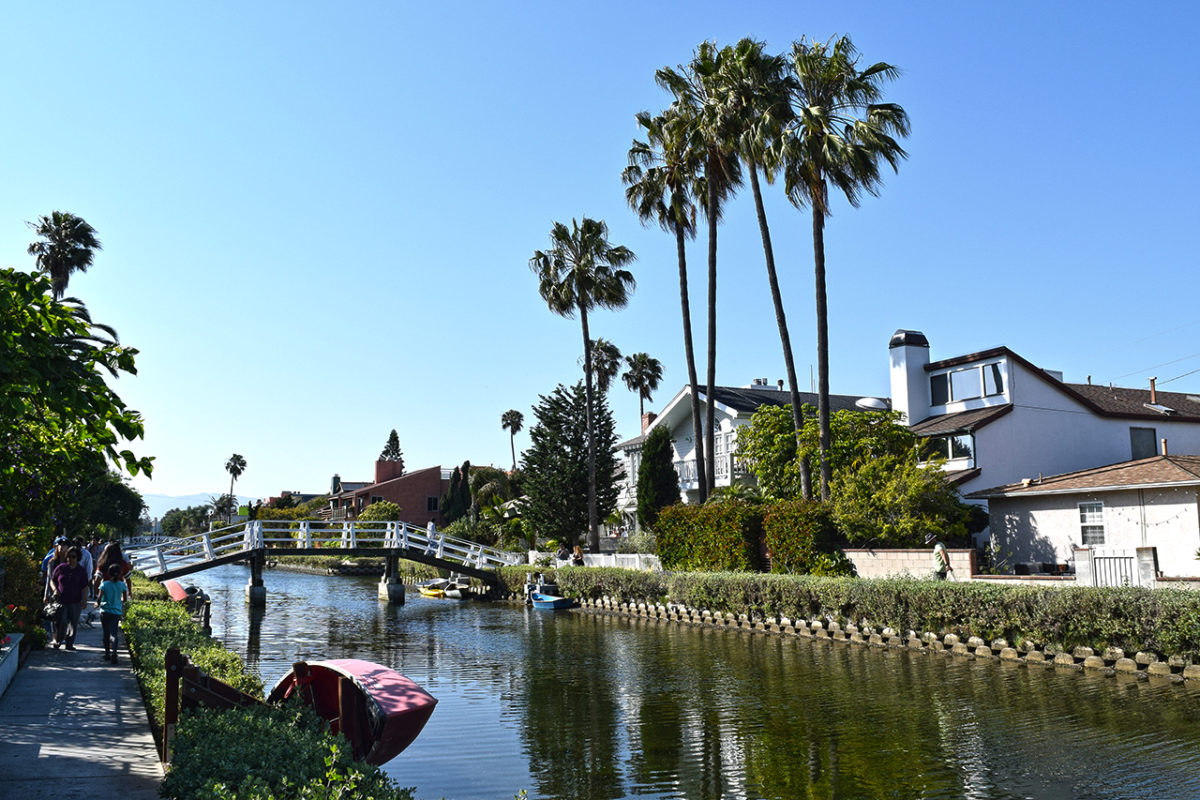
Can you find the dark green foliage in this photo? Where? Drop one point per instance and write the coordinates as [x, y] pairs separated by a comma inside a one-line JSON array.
[[714, 537], [555, 465], [182, 522], [657, 480], [796, 534], [457, 499], [391, 451]]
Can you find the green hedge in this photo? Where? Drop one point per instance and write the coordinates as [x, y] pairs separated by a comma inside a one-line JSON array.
[[716, 536], [796, 532]]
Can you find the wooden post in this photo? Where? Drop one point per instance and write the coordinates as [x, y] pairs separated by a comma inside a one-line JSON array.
[[174, 664]]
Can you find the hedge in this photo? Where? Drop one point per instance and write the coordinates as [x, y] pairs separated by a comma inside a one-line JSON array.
[[795, 533], [715, 536]]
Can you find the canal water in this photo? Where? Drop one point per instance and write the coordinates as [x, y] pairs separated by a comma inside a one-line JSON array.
[[587, 707]]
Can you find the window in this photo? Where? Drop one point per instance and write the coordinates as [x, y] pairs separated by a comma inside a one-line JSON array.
[[966, 384], [1142, 443], [993, 379], [431, 505], [960, 445], [1091, 523], [376, 498], [939, 390]]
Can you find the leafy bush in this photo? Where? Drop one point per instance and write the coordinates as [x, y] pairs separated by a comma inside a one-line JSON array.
[[719, 536], [796, 532], [642, 542], [381, 511]]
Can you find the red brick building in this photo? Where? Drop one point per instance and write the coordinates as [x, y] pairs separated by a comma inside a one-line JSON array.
[[417, 493]]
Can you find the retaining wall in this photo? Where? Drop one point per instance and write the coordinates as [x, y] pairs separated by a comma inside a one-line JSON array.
[[918, 562]]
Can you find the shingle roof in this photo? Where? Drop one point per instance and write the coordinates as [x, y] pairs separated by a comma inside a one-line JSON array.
[[1153, 471], [959, 422], [749, 399], [1119, 401]]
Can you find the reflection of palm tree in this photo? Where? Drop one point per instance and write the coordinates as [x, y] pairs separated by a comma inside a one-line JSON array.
[[606, 362], [661, 181], [511, 421], [235, 466], [838, 133], [68, 245], [580, 271], [642, 377]]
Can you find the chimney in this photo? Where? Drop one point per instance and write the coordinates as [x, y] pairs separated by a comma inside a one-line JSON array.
[[648, 420], [1164, 446], [909, 352], [386, 470], [1153, 398], [779, 383], [335, 485]]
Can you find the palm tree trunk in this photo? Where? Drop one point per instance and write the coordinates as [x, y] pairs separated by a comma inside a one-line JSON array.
[[710, 406], [512, 445], [232, 478], [822, 345], [593, 523], [690, 356]]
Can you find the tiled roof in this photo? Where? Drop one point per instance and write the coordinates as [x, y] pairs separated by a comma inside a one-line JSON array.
[[1118, 401], [960, 422], [1153, 471]]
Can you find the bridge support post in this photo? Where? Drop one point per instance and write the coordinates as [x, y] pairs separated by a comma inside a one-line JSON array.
[[256, 593], [391, 589]]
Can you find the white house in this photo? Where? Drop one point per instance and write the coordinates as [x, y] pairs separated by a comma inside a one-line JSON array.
[[1102, 517], [998, 418], [733, 407]]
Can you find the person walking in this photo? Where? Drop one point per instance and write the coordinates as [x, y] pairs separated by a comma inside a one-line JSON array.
[[112, 555], [941, 558], [70, 583], [112, 599]]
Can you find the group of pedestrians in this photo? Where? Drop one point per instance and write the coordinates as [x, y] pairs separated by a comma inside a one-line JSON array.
[[74, 575]]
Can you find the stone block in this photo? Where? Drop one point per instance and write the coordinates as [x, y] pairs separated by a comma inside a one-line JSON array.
[[1159, 668], [960, 649], [1111, 654], [975, 643], [821, 633], [936, 646], [895, 641], [1081, 653], [999, 644], [876, 639], [1145, 659], [1094, 662], [1177, 663], [1125, 665], [983, 651], [1064, 659], [1009, 654], [1035, 657], [915, 644], [1192, 672], [950, 640]]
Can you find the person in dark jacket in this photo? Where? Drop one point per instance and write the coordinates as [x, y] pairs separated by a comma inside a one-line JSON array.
[[70, 585]]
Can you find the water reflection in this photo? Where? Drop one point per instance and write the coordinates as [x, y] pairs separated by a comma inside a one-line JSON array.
[[583, 706]]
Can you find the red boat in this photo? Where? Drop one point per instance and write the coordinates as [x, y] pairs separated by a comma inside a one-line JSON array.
[[378, 710]]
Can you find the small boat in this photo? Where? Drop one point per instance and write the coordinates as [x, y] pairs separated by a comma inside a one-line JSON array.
[[550, 602], [431, 591], [458, 588], [377, 709]]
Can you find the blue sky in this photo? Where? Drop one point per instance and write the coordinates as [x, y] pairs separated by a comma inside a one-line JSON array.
[[317, 220]]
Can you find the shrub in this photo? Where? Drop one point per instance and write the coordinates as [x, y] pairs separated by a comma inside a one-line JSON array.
[[717, 537], [380, 511], [795, 533]]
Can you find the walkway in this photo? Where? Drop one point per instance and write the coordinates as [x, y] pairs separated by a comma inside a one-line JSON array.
[[70, 718]]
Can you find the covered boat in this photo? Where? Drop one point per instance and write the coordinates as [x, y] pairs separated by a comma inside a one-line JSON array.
[[549, 602], [378, 710]]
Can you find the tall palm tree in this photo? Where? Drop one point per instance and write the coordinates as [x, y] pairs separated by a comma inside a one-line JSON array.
[[68, 245], [606, 363], [752, 87], [643, 377], [661, 181], [235, 466], [839, 133], [698, 116], [511, 421], [580, 271]]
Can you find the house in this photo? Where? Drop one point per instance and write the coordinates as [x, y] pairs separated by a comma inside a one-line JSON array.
[[418, 493], [998, 418], [733, 407], [1103, 517]]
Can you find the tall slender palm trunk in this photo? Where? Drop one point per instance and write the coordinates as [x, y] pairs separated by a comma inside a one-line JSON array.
[[690, 356], [593, 521], [822, 345], [710, 455]]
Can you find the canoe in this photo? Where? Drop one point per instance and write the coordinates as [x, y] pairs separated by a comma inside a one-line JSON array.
[[549, 602], [377, 709], [430, 591]]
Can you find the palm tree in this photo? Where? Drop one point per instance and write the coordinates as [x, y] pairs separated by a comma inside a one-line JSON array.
[[606, 363], [838, 134], [702, 121], [661, 181], [580, 271], [68, 245], [235, 466], [642, 377], [511, 421]]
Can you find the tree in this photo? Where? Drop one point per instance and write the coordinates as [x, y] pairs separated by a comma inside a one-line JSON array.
[[657, 480], [391, 451], [704, 124], [606, 363], [556, 465], [838, 133], [660, 182], [511, 421], [643, 376], [68, 245], [580, 271], [235, 466], [895, 502], [223, 506]]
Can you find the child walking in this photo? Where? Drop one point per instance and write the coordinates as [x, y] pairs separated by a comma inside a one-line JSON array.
[[113, 594]]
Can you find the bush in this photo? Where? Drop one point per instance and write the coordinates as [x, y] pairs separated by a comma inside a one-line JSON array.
[[380, 511], [796, 533], [22, 594], [718, 536]]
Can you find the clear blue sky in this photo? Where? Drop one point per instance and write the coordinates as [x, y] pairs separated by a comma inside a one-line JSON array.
[[317, 220]]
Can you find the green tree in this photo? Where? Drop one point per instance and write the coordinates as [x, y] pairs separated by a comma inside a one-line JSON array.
[[185, 521], [235, 466], [581, 271], [223, 506], [606, 363], [642, 377], [511, 421], [68, 244], [838, 133], [893, 501], [391, 450], [657, 480], [556, 465], [660, 184], [381, 511]]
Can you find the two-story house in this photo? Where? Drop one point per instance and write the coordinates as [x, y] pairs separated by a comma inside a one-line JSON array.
[[418, 493]]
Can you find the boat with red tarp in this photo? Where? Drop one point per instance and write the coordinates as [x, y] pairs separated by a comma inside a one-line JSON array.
[[378, 710]]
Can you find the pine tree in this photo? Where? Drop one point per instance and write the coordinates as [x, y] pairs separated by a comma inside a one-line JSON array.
[[391, 451], [657, 480]]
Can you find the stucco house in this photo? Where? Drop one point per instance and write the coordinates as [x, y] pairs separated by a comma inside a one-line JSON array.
[[418, 493], [1102, 517], [733, 407]]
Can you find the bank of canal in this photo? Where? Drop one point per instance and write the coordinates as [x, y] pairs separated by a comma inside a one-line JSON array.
[[573, 705]]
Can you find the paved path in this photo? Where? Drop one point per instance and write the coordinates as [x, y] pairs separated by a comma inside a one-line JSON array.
[[70, 718]]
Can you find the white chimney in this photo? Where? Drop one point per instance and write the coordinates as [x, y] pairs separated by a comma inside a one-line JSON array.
[[909, 352]]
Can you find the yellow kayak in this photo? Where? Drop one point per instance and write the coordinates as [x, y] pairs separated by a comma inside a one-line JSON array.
[[429, 591]]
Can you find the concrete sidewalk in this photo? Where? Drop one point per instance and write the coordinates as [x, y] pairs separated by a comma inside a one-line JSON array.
[[72, 725]]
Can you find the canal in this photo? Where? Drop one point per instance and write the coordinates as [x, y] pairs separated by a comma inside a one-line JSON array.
[[586, 707]]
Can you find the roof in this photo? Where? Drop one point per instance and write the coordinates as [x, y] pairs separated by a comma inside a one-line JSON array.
[[959, 422], [1145, 472], [743, 399], [406, 477]]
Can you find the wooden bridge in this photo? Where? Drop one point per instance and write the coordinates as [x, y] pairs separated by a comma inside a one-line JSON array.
[[255, 541]]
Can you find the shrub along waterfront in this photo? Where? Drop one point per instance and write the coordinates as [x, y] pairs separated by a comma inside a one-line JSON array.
[[1163, 621]]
